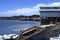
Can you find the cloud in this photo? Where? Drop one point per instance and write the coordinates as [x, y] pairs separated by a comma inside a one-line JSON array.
[[55, 4], [27, 11], [51, 4], [22, 11]]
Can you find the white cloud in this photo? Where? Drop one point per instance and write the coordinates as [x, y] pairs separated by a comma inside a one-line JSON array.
[[23, 11], [55, 4], [27, 11], [51, 4]]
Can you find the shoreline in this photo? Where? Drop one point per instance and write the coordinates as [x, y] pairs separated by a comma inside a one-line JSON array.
[[22, 20], [46, 30]]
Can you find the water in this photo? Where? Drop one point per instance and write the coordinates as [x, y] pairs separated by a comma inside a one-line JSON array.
[[14, 26]]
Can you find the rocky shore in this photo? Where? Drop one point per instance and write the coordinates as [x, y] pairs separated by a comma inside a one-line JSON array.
[[52, 29], [8, 37]]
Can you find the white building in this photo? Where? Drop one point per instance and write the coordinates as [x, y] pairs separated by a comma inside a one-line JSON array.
[[49, 14]]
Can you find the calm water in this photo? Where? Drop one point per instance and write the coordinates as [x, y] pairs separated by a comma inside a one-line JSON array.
[[14, 26]]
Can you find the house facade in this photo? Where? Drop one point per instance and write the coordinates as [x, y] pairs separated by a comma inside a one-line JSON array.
[[49, 14]]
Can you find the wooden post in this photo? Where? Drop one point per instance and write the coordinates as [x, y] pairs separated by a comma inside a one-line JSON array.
[[21, 36]]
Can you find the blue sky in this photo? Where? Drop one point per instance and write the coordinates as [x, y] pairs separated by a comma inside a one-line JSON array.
[[23, 7]]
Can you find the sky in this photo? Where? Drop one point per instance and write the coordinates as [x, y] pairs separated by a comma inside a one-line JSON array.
[[23, 7]]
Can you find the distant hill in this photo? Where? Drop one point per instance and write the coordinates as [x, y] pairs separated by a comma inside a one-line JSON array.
[[21, 17]]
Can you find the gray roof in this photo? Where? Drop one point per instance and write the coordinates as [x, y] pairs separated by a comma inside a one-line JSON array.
[[49, 6]]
